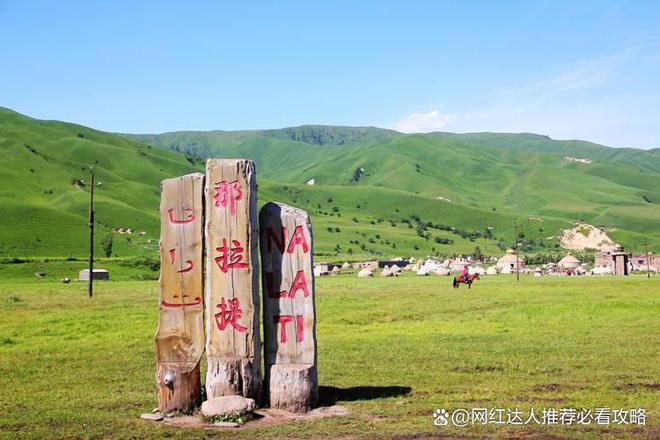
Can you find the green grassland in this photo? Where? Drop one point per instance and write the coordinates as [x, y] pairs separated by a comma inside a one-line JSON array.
[[488, 182], [391, 350]]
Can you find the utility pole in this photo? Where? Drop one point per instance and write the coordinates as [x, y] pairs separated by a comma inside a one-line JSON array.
[[91, 232], [648, 257], [517, 259]]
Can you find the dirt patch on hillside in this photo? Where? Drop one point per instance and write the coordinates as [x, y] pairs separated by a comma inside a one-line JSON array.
[[585, 236]]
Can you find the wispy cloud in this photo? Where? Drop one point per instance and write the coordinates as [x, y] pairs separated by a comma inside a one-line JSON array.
[[422, 122], [608, 100]]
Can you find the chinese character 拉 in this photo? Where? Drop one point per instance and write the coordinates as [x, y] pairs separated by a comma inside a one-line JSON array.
[[230, 257]]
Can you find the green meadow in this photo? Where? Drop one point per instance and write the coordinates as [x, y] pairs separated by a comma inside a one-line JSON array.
[[391, 350]]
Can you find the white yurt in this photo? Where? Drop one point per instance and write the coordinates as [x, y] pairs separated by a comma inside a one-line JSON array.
[[568, 262], [335, 270], [365, 273], [492, 270], [538, 272], [601, 270], [477, 269], [346, 265], [458, 263], [432, 265], [443, 272], [395, 269], [422, 271], [386, 272], [319, 271], [510, 261]]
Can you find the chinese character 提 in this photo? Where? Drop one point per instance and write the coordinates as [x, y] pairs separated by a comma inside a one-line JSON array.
[[229, 314]]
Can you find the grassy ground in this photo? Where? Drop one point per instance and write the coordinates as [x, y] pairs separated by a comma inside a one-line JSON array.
[[391, 350]]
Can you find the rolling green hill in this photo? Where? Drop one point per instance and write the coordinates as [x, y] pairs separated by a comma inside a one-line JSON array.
[[376, 192], [44, 212], [469, 181]]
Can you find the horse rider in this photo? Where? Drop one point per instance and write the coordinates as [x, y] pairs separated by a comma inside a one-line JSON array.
[[466, 274]]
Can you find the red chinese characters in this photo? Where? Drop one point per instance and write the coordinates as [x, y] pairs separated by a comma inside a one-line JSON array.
[[190, 216], [188, 268], [227, 193], [197, 301], [230, 257], [229, 314], [189, 263]]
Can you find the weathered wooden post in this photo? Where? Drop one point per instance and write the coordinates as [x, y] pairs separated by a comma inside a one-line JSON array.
[[289, 308], [180, 334], [232, 284]]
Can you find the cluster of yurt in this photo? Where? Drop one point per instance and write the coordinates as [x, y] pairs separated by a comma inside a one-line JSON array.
[[393, 271], [568, 265], [507, 264], [429, 266]]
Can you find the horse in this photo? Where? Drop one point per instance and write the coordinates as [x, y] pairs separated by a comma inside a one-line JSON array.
[[459, 279]]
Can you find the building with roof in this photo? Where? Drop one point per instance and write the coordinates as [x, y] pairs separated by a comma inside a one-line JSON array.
[[510, 262], [569, 262]]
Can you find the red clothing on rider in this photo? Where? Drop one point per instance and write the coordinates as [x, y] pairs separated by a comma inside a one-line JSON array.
[[466, 272]]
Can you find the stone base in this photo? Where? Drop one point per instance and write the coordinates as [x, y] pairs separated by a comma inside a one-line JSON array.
[[228, 406], [233, 376], [293, 387]]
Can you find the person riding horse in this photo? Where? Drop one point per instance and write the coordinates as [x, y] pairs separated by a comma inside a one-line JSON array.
[[465, 277], [466, 274]]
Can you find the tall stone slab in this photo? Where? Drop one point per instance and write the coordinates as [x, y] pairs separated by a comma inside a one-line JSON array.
[[180, 334], [289, 308], [232, 284]]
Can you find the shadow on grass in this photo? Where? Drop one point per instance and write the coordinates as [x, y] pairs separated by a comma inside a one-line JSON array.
[[331, 395]]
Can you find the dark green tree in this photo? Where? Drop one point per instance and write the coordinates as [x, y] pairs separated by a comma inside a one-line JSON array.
[[106, 244]]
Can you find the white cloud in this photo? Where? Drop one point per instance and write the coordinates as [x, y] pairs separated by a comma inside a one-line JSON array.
[[422, 122], [609, 100]]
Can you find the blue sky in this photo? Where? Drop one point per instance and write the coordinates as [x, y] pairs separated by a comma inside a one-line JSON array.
[[586, 70]]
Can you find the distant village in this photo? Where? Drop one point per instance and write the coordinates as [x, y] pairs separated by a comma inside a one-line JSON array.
[[615, 262]]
